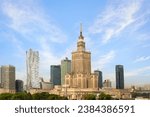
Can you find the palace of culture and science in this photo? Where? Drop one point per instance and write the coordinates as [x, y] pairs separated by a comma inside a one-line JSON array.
[[81, 75]]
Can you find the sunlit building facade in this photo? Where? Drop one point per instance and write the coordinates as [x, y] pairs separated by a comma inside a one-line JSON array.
[[81, 76], [65, 68], [8, 77], [32, 64]]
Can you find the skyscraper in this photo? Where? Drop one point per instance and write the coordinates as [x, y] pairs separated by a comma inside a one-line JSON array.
[[65, 68], [8, 77], [19, 85], [119, 77], [100, 78], [81, 76], [55, 74], [32, 62]]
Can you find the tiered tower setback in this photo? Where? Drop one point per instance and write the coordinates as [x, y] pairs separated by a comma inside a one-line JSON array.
[[81, 76]]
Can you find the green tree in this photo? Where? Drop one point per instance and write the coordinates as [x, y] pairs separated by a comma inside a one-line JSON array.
[[28, 96], [53, 97], [18, 96], [89, 97], [6, 96], [56, 97], [22, 96], [104, 96], [40, 96]]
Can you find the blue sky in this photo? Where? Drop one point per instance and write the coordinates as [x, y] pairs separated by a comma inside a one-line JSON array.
[[115, 31]]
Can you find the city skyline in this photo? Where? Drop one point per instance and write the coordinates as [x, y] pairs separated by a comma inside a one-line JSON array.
[[115, 33]]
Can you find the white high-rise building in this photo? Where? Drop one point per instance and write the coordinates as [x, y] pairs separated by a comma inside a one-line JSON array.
[[32, 62]]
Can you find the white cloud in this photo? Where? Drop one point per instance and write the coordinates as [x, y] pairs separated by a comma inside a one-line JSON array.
[[115, 19], [28, 19], [137, 72], [105, 59], [142, 59]]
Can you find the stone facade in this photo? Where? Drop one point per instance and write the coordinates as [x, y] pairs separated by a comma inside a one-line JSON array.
[[8, 77], [81, 76]]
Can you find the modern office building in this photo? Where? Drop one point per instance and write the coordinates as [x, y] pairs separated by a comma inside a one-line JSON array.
[[32, 64], [81, 76], [107, 83], [46, 85], [8, 77], [55, 73], [119, 77], [19, 85], [100, 78], [65, 68]]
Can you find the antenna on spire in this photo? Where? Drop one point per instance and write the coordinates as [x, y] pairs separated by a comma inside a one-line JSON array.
[[80, 27], [81, 30]]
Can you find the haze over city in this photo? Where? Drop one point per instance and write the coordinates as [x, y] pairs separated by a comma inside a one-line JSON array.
[[116, 32]]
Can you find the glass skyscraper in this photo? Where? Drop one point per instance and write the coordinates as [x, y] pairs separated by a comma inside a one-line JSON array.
[[100, 78], [55, 73], [19, 85], [119, 77], [65, 68]]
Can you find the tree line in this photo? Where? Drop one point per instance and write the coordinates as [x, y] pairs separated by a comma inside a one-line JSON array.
[[101, 96], [29, 96], [47, 96]]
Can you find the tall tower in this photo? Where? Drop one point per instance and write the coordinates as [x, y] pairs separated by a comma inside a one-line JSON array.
[[55, 74], [119, 77], [8, 77], [32, 64], [81, 59], [81, 76], [65, 68], [100, 78]]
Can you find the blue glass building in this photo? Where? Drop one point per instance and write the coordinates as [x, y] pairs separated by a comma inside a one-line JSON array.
[[55, 73], [119, 77], [100, 78]]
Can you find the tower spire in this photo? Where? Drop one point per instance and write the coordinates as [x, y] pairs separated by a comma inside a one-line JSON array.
[[81, 36], [80, 29], [81, 43]]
